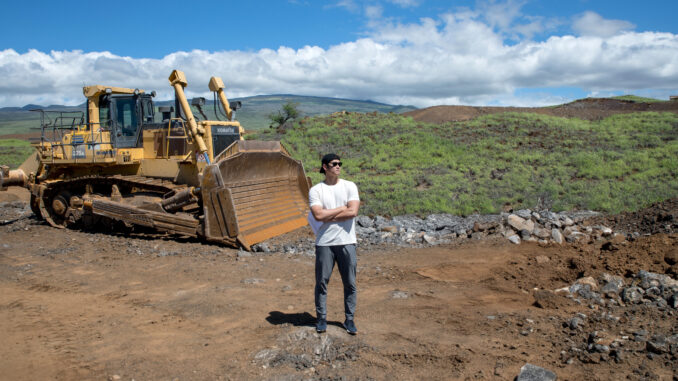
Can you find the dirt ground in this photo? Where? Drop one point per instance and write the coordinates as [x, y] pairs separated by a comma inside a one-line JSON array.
[[78, 305], [589, 109]]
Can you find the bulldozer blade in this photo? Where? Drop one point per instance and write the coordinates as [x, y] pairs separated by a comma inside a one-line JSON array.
[[254, 191]]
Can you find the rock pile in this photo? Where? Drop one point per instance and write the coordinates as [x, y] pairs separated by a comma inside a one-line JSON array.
[[302, 348], [544, 227], [614, 329], [523, 225], [652, 289]]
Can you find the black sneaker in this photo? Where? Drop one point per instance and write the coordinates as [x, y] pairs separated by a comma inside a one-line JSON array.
[[350, 327], [321, 325]]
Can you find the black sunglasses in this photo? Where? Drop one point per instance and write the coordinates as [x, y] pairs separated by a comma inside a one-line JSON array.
[[334, 164]]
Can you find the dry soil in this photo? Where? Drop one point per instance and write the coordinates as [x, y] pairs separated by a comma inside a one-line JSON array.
[[80, 305]]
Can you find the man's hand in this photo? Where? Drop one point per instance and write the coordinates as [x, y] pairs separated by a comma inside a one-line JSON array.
[[351, 211]]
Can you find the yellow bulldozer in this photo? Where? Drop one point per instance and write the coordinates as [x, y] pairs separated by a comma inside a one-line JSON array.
[[119, 162]]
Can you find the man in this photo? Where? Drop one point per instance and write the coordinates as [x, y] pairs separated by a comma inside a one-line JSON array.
[[335, 203]]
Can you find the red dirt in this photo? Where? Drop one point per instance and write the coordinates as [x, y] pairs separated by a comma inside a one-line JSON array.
[[77, 305], [589, 109]]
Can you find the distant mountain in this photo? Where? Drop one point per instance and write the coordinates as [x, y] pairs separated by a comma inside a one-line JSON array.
[[255, 110], [27, 108], [253, 115]]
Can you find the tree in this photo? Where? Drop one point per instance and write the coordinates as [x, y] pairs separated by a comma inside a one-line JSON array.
[[290, 111]]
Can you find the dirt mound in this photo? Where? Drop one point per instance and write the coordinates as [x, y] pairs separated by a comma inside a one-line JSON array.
[[588, 109], [660, 217]]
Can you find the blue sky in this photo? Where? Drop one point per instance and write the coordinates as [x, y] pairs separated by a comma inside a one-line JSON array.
[[421, 52]]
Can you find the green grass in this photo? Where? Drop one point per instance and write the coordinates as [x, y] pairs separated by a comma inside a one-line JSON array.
[[13, 152], [620, 163], [18, 122], [637, 99]]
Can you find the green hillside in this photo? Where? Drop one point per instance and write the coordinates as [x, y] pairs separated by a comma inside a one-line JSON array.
[[637, 99], [13, 152], [623, 162], [522, 160]]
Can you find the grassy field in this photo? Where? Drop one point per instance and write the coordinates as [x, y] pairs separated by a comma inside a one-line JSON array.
[[13, 152], [637, 99], [523, 160], [18, 122]]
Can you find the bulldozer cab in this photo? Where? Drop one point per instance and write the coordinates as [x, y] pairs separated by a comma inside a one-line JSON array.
[[124, 116]]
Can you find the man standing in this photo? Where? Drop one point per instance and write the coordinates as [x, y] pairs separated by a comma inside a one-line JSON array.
[[335, 203]]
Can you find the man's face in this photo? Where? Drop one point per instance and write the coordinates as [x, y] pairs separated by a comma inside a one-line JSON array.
[[333, 167]]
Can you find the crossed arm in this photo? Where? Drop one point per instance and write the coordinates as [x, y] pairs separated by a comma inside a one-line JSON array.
[[341, 213]]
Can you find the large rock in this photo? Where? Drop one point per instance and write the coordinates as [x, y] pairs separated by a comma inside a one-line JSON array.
[[569, 230], [649, 279], [612, 285], [524, 214], [657, 344], [364, 221], [428, 238], [541, 232], [577, 236], [519, 223], [557, 236], [602, 230], [588, 281], [567, 221], [515, 222], [632, 295], [531, 372]]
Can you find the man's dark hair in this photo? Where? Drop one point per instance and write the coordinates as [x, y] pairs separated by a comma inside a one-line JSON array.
[[327, 159]]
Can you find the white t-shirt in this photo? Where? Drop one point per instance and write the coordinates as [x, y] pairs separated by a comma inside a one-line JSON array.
[[330, 197]]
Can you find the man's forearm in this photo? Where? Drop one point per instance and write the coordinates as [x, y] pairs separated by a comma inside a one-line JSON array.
[[345, 215], [351, 211], [325, 215]]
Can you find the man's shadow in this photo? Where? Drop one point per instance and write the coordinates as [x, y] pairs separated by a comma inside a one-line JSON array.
[[303, 319]]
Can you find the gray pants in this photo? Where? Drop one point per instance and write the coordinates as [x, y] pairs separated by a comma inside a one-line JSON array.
[[346, 259]]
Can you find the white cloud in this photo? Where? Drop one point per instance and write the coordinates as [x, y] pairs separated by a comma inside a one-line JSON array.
[[406, 3], [592, 24], [501, 14], [349, 5], [458, 58], [373, 11]]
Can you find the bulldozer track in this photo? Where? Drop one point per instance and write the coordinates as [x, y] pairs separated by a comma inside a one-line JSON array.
[[140, 184]]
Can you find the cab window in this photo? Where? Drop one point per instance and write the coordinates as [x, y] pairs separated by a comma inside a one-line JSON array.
[[147, 110], [104, 113], [127, 119]]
